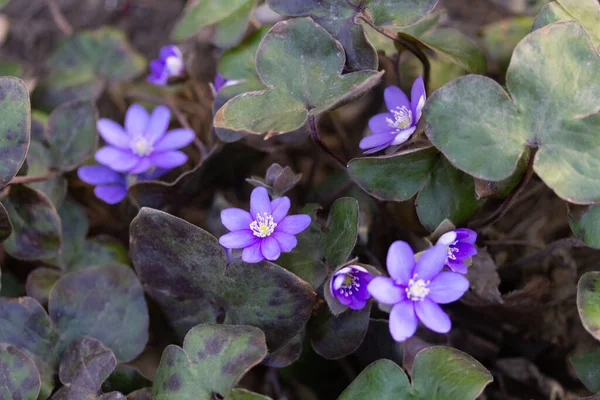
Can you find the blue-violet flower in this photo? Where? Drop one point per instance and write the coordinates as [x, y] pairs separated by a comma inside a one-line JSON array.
[[266, 230], [416, 288], [349, 286], [460, 244], [219, 82], [143, 143], [397, 125], [169, 63]]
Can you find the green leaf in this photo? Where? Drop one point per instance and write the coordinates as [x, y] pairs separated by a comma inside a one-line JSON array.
[[500, 38], [20, 378], [184, 269], [212, 360], [40, 282], [38, 164], [546, 108], [6, 227], [86, 363], [243, 394], [585, 223], [63, 86], [72, 134], [588, 302], [11, 68], [36, 225], [342, 231], [382, 379], [286, 355], [126, 379], [15, 123], [302, 79], [586, 12], [587, 367], [229, 31]]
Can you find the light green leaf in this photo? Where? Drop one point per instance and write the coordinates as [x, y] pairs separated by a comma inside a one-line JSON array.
[[585, 223], [588, 302]]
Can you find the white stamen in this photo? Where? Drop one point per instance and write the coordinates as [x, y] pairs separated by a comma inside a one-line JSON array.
[[263, 225], [349, 283], [141, 146], [451, 250], [417, 289], [403, 119]]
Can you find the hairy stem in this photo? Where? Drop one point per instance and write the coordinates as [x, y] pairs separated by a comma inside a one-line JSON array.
[[32, 179], [317, 139]]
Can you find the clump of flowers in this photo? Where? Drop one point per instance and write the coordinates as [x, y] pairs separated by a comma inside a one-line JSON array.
[[400, 122], [264, 232], [415, 288], [349, 286], [168, 64], [460, 245]]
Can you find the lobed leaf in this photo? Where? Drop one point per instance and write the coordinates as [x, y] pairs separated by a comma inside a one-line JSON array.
[[86, 363], [586, 12], [19, 378]]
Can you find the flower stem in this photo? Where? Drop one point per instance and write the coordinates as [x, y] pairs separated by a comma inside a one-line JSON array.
[[317, 139], [405, 43], [32, 179]]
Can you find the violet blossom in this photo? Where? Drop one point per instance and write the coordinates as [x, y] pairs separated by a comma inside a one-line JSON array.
[[169, 63], [144, 143], [266, 230], [460, 245], [219, 82], [400, 122], [349, 286], [415, 289]]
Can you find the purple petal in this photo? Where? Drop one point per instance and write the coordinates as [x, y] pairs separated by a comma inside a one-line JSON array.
[[111, 194], [99, 175], [169, 51], [286, 241], [400, 261], [466, 235], [113, 133], [403, 321], [259, 202], [378, 148], [418, 98], [362, 293], [252, 254], [447, 287], [169, 159], [403, 136], [457, 266], [142, 166], [117, 159], [158, 81], [158, 123], [294, 224], [345, 300], [379, 123], [238, 239], [385, 291], [356, 303], [376, 140], [219, 82], [236, 219], [431, 262], [395, 98], [280, 208], [432, 316], [175, 139], [465, 251], [136, 120], [270, 248], [157, 68]]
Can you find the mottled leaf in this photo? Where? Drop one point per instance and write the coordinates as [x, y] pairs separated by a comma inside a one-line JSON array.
[[586, 12], [38, 164], [585, 223], [40, 282], [587, 367], [6, 227], [588, 302], [86, 363], [36, 225], [546, 108], [302, 80], [15, 122], [382, 379], [19, 378], [184, 269], [126, 379], [342, 231], [212, 360], [63, 86]]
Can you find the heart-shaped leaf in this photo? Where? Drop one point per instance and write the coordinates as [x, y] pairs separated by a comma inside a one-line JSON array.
[[586, 12], [476, 112], [19, 378], [585, 223], [588, 302], [587, 367], [15, 123], [438, 373], [340, 17], [184, 269], [342, 231], [36, 225], [212, 360], [301, 65], [86, 363], [39, 163]]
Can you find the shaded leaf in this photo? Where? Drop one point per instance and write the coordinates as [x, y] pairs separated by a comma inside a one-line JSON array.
[[287, 354], [39, 163], [126, 379], [484, 281], [342, 231], [587, 367], [19, 378], [586, 12], [142, 394], [231, 30], [86, 363], [585, 223], [588, 302], [500, 38], [40, 282], [382, 379], [6, 227], [243, 394]]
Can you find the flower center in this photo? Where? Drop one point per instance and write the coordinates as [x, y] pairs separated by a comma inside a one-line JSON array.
[[451, 250], [174, 65], [350, 283], [403, 118], [141, 146], [417, 289], [263, 225]]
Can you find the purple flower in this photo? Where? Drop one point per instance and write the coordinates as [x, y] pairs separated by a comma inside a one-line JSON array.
[[460, 244], [349, 286], [111, 186], [169, 63], [143, 143], [219, 82], [265, 231], [397, 125], [416, 288]]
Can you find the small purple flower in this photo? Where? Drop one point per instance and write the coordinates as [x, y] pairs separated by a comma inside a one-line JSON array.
[[111, 186], [219, 82], [169, 63], [397, 125], [266, 230], [460, 245], [416, 288], [349, 286], [143, 143]]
